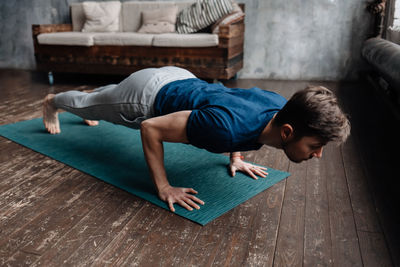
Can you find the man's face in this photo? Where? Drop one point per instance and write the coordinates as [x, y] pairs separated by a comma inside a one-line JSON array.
[[302, 149]]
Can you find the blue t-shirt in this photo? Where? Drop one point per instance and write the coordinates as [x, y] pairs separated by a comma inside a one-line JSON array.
[[222, 119]]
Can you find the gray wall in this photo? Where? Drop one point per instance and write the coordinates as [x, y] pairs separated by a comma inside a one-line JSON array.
[[285, 39]]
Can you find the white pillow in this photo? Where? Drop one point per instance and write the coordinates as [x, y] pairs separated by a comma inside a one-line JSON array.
[[101, 16]]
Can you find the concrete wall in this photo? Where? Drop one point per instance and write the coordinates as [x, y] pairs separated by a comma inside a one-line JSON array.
[[285, 39]]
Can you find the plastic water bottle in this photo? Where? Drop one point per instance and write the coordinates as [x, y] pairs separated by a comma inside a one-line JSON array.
[[51, 78]]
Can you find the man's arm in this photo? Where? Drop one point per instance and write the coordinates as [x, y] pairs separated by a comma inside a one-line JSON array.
[[154, 131]]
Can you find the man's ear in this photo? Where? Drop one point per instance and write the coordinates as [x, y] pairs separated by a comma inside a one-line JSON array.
[[286, 132]]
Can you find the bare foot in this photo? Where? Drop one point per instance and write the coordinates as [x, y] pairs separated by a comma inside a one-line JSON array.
[[91, 123], [50, 115]]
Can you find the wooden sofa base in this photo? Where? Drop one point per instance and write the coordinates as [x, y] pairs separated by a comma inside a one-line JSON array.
[[207, 62]]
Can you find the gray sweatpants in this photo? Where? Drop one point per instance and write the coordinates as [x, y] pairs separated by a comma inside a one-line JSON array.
[[127, 103]]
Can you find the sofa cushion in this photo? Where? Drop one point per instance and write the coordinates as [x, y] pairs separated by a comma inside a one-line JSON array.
[[66, 38], [185, 40], [159, 20], [202, 14], [101, 16], [78, 17], [123, 38], [131, 11]]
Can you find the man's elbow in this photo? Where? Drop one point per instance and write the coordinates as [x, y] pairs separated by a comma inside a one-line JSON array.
[[148, 129], [145, 127]]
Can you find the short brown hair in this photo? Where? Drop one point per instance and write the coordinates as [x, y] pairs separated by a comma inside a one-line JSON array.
[[314, 111]]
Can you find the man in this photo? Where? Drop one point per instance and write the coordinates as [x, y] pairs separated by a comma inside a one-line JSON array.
[[170, 104]]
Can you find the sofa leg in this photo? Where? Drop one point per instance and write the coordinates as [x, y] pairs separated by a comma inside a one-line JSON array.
[[51, 78]]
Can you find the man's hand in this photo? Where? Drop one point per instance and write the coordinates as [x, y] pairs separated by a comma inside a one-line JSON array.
[[180, 195], [237, 164]]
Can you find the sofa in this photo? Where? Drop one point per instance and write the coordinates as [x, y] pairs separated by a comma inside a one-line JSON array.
[[74, 48], [384, 58]]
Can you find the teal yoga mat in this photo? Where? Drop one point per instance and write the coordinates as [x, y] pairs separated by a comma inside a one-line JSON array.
[[114, 154]]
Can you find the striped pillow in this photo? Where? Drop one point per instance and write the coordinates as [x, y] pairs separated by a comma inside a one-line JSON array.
[[201, 14]]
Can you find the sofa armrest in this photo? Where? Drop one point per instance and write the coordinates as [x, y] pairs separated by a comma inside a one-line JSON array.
[[234, 28], [231, 30], [231, 37], [47, 28]]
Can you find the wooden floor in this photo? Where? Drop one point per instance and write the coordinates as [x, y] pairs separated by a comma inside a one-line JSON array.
[[341, 210]]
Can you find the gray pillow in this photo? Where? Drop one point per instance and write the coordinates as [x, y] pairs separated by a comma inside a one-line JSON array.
[[159, 20], [201, 14]]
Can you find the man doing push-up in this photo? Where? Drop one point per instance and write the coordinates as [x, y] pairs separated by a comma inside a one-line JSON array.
[[170, 104]]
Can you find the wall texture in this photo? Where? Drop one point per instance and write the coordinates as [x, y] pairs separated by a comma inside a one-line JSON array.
[[285, 39]]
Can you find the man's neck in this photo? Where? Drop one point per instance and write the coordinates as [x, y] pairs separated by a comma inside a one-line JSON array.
[[270, 136]]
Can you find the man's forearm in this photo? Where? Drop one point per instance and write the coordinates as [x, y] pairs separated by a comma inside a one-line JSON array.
[[154, 153]]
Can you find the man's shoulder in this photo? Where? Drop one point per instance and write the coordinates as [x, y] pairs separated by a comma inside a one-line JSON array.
[[273, 97]]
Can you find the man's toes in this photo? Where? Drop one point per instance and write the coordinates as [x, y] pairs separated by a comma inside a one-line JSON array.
[[91, 123], [56, 129], [53, 129]]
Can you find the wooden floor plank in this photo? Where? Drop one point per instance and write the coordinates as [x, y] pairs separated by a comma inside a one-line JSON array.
[[167, 244], [234, 247], [206, 246], [317, 239], [8, 150], [266, 223], [97, 228], [22, 164], [214, 240], [361, 199], [46, 231], [345, 243], [26, 183], [21, 215], [63, 212], [372, 243], [128, 241], [289, 248], [375, 135], [23, 197], [374, 250]]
